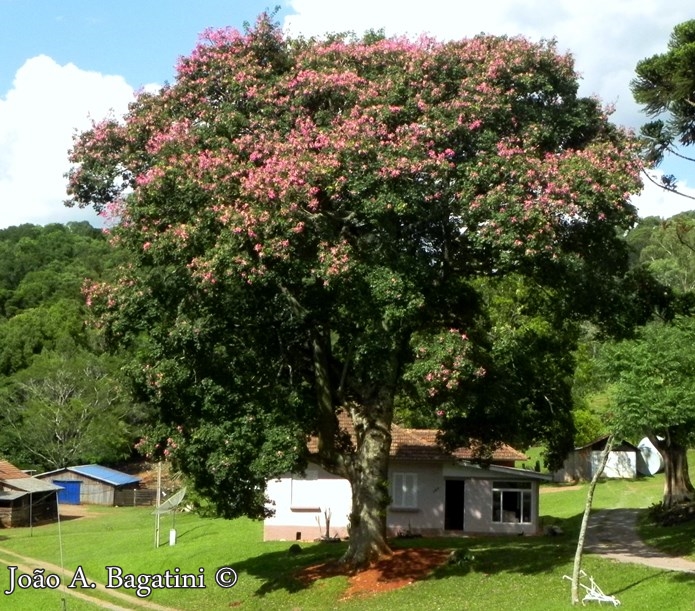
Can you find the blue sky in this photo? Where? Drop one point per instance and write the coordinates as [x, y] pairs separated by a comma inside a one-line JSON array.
[[64, 61], [137, 39]]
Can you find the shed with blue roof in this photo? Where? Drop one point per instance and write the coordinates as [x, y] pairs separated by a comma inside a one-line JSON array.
[[90, 484]]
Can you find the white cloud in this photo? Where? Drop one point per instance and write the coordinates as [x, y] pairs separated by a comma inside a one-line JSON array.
[[606, 37], [38, 118], [655, 201]]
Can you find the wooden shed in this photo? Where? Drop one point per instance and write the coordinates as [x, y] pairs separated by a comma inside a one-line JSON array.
[[90, 484], [25, 500], [624, 461]]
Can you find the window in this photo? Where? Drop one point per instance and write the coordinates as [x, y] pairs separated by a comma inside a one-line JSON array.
[[305, 491], [511, 502], [404, 491]]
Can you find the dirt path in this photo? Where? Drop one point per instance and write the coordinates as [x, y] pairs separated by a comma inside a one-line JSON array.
[[27, 565], [613, 534]]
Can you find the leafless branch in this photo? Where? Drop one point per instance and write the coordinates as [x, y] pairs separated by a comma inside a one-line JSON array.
[[677, 154], [665, 188]]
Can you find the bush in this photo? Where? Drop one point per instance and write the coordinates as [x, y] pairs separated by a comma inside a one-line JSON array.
[[671, 516]]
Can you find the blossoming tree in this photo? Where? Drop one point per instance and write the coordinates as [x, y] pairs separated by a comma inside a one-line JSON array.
[[307, 221]]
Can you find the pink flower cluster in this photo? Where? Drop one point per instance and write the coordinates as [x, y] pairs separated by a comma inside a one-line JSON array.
[[276, 156]]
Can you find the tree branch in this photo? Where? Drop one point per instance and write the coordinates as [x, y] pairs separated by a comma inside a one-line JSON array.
[[328, 429], [681, 231], [677, 154], [665, 188]]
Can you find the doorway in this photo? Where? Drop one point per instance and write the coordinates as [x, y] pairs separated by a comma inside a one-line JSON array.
[[453, 504], [70, 494]]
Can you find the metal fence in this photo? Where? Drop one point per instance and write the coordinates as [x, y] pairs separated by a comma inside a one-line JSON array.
[[134, 498]]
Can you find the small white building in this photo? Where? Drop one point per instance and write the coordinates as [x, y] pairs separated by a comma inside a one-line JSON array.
[[624, 462], [432, 492]]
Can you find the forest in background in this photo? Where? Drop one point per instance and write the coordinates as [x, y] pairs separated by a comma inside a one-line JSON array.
[[62, 398]]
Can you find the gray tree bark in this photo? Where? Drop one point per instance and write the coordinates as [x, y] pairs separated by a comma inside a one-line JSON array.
[[370, 493]]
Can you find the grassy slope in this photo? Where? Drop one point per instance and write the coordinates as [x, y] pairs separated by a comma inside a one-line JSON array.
[[522, 573]]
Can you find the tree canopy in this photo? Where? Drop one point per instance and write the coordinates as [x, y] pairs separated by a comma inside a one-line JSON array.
[[68, 408], [309, 222], [667, 249], [664, 85], [41, 280], [662, 254], [653, 391]]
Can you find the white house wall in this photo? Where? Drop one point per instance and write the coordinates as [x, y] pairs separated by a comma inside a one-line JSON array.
[[300, 516], [300, 521], [477, 514], [428, 517], [582, 464]]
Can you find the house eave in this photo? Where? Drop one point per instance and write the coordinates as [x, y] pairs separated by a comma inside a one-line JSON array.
[[508, 471]]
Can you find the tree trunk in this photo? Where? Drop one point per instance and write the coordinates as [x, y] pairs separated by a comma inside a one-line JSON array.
[[368, 477], [585, 520], [677, 484], [363, 463]]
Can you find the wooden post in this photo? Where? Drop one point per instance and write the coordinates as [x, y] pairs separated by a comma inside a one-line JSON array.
[[159, 496]]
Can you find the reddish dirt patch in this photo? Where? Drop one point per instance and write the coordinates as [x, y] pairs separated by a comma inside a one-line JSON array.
[[75, 511], [401, 568], [559, 488], [148, 474]]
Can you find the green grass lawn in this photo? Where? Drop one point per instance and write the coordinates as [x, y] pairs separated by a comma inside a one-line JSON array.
[[535, 457], [506, 573]]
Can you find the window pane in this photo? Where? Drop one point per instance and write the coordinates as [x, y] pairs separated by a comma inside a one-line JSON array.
[[511, 506], [404, 490], [526, 515], [410, 499], [511, 485], [496, 506]]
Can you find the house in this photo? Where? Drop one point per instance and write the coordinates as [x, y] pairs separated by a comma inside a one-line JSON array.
[[91, 484], [25, 500], [624, 462], [433, 492]]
